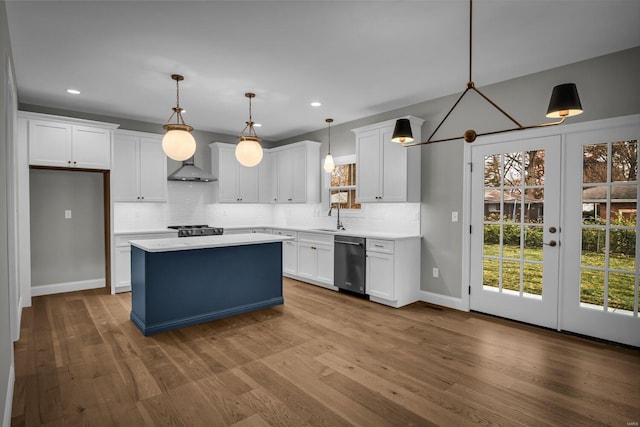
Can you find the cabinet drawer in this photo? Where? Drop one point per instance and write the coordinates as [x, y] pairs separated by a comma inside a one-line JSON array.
[[383, 246], [316, 238]]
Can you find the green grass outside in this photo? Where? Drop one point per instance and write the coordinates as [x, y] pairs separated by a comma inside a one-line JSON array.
[[621, 285]]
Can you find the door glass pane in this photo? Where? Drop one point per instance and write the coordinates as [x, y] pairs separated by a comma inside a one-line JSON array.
[[533, 205], [624, 199], [534, 168], [533, 236], [491, 272], [492, 204], [594, 205], [624, 164], [511, 276], [593, 247], [512, 202], [594, 163], [621, 291], [622, 249], [592, 287], [492, 170], [491, 239], [532, 278], [511, 241], [513, 169]]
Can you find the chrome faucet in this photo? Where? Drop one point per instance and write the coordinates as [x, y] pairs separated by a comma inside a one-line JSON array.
[[339, 225]]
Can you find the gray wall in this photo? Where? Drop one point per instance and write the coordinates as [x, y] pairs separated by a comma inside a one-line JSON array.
[[66, 250], [6, 346], [607, 86]]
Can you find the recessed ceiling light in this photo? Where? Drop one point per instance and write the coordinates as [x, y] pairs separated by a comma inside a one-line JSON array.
[[73, 91], [316, 104]]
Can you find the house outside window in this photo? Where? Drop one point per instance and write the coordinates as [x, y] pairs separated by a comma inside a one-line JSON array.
[[342, 184]]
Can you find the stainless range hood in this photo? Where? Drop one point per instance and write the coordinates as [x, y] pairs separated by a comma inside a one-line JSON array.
[[189, 172]]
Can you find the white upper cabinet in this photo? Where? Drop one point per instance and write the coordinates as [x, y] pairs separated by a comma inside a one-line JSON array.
[[266, 181], [297, 172], [68, 143], [139, 171], [236, 183], [387, 171]]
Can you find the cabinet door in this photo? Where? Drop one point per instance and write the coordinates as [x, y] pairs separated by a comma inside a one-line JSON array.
[[266, 183], [227, 175], [274, 178], [125, 171], [369, 170], [394, 171], [307, 260], [290, 257], [49, 143], [324, 264], [123, 268], [380, 276], [91, 147], [285, 186], [153, 170], [247, 184], [299, 174]]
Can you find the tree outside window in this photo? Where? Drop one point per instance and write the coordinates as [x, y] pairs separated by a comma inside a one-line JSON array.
[[342, 187]]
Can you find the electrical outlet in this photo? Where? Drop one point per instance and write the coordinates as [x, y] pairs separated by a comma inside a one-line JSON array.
[[436, 272], [67, 214]]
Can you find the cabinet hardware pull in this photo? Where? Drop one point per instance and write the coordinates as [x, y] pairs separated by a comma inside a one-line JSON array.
[[313, 247], [69, 162], [74, 162], [378, 246]]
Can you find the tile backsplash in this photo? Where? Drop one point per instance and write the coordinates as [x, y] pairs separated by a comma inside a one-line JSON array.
[[193, 203]]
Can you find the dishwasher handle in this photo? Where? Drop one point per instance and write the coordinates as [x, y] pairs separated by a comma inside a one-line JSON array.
[[348, 243]]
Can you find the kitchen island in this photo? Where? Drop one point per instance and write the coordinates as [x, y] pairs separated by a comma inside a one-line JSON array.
[[178, 282]]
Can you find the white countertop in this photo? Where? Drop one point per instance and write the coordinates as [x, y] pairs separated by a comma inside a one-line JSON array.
[[355, 233], [203, 242], [147, 231]]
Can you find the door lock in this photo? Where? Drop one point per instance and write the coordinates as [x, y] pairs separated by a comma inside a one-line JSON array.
[[552, 229]]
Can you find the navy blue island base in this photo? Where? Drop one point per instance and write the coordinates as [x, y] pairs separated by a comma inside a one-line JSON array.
[[179, 288]]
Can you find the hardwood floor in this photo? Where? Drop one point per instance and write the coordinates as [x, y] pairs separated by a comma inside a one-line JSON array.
[[321, 359]]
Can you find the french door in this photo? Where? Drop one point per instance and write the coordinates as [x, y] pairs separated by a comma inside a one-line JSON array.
[[600, 280], [554, 230], [515, 239]]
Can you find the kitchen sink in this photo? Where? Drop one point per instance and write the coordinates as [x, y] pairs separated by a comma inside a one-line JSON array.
[[330, 230]]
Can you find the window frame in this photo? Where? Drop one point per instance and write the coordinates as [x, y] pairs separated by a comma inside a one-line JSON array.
[[342, 160]]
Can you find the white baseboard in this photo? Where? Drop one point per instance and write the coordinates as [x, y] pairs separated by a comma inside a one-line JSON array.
[[8, 404], [123, 288], [443, 300], [57, 288]]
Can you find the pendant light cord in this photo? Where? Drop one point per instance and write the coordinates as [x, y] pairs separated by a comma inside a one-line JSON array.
[[470, 37]]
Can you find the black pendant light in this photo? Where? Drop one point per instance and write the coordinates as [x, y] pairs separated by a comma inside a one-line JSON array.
[[564, 103]]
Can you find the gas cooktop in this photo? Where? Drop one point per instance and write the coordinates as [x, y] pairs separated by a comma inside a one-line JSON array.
[[196, 230]]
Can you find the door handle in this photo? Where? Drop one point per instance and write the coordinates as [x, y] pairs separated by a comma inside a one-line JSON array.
[[552, 243]]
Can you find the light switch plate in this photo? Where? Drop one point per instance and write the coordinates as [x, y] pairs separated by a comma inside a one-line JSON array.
[[67, 214], [454, 216], [436, 272]]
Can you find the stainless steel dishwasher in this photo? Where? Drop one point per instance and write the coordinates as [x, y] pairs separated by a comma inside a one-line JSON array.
[[349, 263]]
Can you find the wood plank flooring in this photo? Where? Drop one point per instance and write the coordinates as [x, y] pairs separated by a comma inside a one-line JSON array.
[[321, 359]]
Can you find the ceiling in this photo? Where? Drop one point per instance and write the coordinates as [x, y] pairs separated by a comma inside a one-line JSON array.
[[358, 58]]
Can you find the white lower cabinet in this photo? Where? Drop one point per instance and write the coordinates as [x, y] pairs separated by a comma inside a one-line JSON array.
[[315, 258], [393, 271], [121, 265], [289, 252]]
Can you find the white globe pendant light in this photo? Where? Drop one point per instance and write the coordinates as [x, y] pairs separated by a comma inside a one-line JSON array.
[[329, 164], [249, 151], [178, 143]]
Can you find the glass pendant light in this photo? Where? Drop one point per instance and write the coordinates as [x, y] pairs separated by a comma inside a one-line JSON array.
[[329, 164], [248, 151], [178, 143]]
